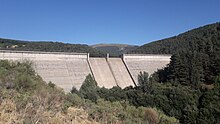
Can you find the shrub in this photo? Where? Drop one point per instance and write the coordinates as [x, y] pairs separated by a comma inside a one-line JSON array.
[[89, 88], [143, 78], [74, 90], [151, 116], [50, 84], [74, 99], [23, 82]]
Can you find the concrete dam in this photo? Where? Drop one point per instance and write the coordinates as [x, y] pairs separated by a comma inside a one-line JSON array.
[[70, 69]]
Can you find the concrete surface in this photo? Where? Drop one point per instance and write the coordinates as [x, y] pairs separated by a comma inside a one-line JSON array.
[[148, 63], [120, 72], [102, 72]]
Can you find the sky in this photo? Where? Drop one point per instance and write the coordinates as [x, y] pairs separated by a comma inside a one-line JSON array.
[[103, 21]]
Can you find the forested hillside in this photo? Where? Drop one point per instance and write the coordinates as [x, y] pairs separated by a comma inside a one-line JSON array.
[[8, 44], [114, 49], [196, 56], [206, 37]]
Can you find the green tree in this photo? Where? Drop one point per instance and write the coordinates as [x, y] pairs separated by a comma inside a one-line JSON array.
[[209, 107], [143, 78], [145, 83], [89, 89]]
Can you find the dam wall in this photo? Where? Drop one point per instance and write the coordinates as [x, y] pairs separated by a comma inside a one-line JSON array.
[[70, 69], [149, 63]]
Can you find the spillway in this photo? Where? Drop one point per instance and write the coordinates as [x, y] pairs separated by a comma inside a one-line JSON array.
[[147, 62], [120, 72], [102, 72]]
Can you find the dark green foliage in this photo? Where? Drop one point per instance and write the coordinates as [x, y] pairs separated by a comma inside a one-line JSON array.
[[143, 78], [72, 99], [52, 85], [179, 101], [8, 44], [190, 68], [113, 94], [89, 89], [17, 75], [145, 83], [74, 90], [202, 39], [119, 111], [172, 100], [186, 68], [114, 49], [23, 82], [217, 81], [195, 56], [209, 107]]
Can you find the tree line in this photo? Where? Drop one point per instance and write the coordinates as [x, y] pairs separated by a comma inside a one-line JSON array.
[[188, 105], [206, 36], [8, 44]]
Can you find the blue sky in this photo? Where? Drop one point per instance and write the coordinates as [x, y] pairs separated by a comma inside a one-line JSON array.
[[103, 21]]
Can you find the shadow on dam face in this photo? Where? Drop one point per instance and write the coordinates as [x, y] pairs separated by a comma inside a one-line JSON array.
[[70, 69]]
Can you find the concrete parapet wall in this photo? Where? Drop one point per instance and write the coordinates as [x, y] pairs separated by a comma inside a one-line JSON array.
[[19, 55], [155, 57]]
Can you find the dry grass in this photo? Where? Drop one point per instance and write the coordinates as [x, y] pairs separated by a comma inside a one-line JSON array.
[[9, 115], [152, 116]]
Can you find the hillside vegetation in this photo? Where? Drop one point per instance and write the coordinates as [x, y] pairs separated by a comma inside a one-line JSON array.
[[114, 49], [25, 98], [196, 56], [196, 39], [188, 104], [8, 44]]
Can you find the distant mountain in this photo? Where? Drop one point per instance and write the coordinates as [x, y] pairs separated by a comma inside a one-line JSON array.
[[205, 36], [114, 49], [9, 44]]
